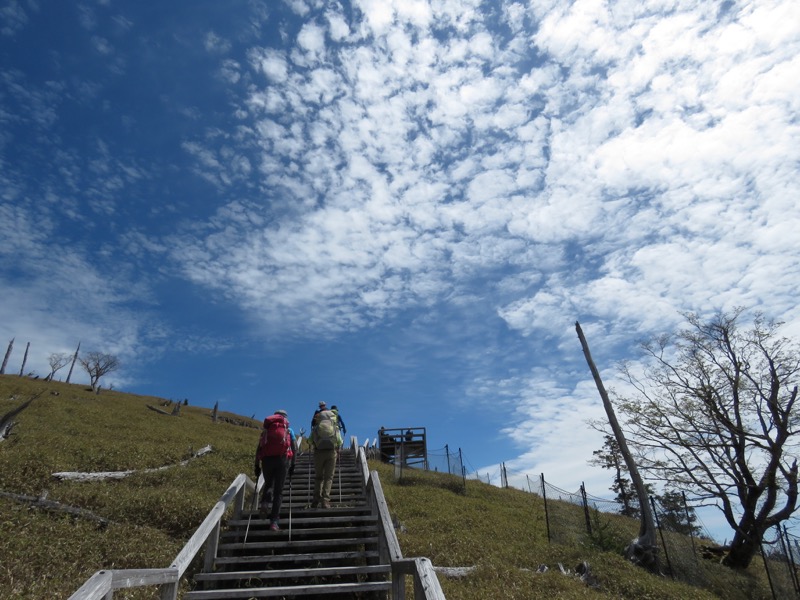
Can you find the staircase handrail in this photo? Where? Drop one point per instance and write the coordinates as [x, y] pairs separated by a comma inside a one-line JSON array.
[[426, 583], [102, 584]]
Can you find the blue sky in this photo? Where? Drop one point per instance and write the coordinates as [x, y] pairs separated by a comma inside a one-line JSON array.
[[401, 207]]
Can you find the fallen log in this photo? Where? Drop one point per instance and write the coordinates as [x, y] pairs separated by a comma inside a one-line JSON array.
[[6, 424], [454, 572], [102, 475], [42, 503]]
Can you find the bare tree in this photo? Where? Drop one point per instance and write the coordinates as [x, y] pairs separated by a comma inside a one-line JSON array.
[[97, 364], [714, 415], [57, 362]]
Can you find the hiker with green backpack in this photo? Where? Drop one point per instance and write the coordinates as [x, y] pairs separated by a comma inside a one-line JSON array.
[[325, 440]]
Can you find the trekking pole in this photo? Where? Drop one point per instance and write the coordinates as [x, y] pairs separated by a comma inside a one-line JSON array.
[[339, 468], [290, 509], [254, 505]]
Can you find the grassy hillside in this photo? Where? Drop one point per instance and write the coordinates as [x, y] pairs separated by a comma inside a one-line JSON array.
[[151, 515]]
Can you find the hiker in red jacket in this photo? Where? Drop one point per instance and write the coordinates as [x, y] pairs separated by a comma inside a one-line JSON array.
[[275, 455]]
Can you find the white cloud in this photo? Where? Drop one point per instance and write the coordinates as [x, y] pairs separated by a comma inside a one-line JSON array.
[[270, 62], [532, 156], [311, 40]]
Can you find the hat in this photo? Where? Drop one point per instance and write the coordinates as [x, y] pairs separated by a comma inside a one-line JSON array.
[[322, 404], [281, 412]]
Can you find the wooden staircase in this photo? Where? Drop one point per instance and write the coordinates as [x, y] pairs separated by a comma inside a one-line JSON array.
[[331, 553]]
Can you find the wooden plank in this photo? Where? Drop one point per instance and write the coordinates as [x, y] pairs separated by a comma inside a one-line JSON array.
[[389, 535], [295, 573], [311, 532], [312, 556], [290, 591], [362, 518], [95, 588], [308, 535], [304, 544], [426, 584], [128, 578]]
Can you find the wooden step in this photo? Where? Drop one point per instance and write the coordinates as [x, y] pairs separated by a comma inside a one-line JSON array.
[[281, 545], [307, 557], [291, 591], [285, 578], [330, 516], [307, 535], [370, 570]]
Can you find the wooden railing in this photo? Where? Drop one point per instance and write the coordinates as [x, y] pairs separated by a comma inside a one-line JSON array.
[[102, 584], [426, 583]]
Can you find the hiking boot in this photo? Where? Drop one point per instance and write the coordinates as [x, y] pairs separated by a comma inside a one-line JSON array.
[[263, 509], [274, 526], [325, 504]]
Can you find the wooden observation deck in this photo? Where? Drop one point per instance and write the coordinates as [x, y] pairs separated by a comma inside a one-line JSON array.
[[406, 446]]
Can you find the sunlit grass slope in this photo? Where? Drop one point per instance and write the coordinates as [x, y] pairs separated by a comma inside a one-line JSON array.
[[49, 555]]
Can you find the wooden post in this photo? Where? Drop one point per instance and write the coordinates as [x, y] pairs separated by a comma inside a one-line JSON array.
[[586, 509], [24, 359], [74, 359], [5, 360], [546, 514], [644, 549]]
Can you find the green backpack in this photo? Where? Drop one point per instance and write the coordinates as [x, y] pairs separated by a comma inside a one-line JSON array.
[[326, 432]]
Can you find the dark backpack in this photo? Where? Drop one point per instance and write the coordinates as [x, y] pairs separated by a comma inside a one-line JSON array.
[[275, 439]]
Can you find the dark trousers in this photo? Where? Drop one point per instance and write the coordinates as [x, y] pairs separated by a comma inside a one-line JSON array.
[[274, 470]]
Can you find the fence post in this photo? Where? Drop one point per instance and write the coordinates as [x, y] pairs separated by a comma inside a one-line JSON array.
[[398, 463], [528, 479], [546, 514], [447, 452], [784, 535], [661, 534], [766, 568], [463, 470], [689, 523], [586, 509]]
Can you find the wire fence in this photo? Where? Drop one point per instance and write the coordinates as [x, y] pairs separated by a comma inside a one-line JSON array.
[[686, 547]]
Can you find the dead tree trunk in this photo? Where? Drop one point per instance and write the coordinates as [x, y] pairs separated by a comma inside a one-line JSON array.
[[43, 503], [24, 359], [74, 359], [642, 551], [5, 420], [8, 353]]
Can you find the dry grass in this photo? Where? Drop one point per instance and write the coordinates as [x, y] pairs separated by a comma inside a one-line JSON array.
[[47, 555]]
